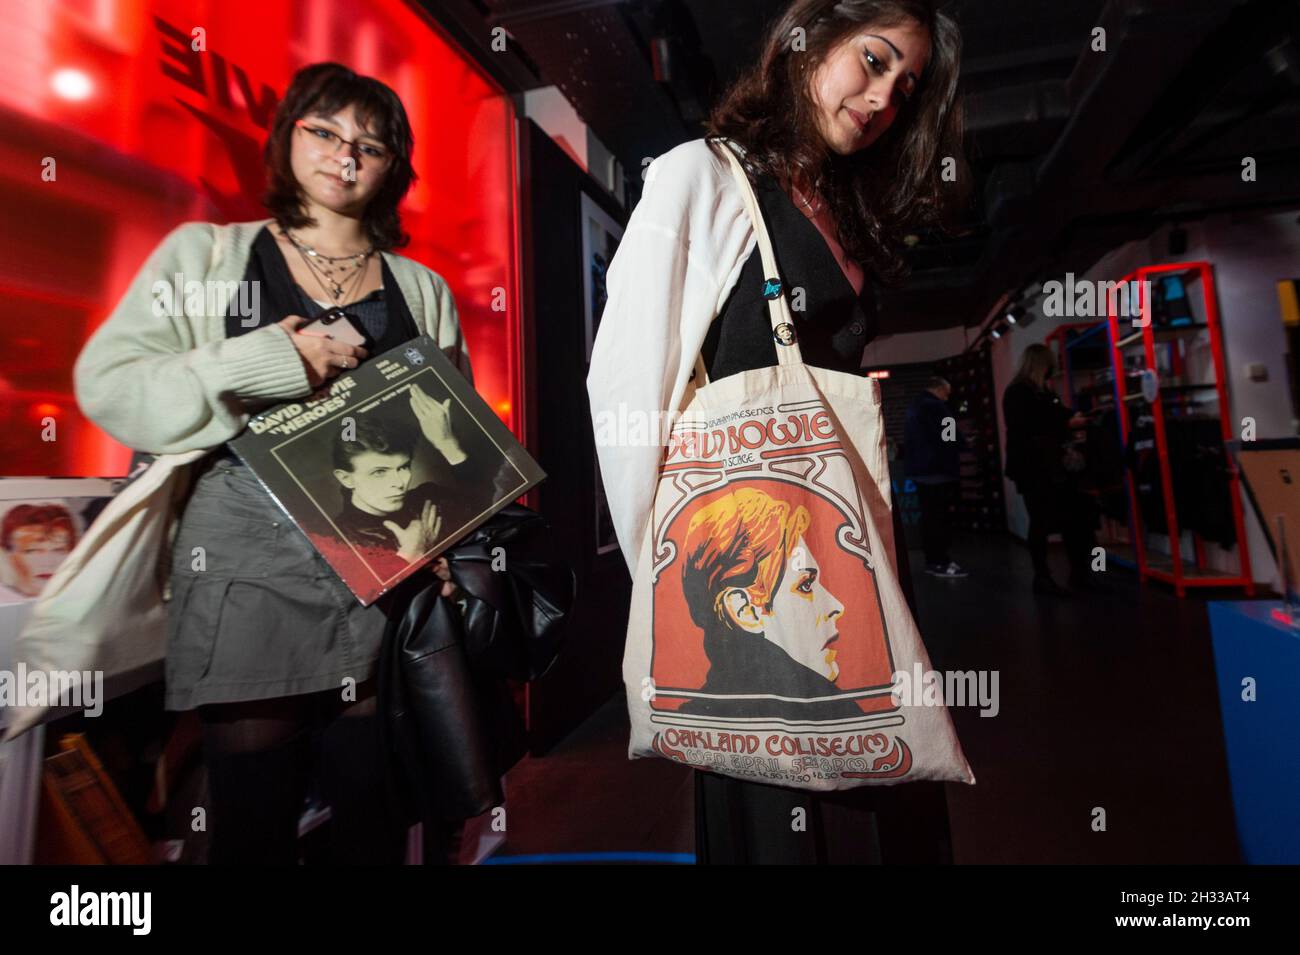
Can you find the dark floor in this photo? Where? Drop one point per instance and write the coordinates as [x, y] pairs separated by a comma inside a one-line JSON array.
[[1106, 701]]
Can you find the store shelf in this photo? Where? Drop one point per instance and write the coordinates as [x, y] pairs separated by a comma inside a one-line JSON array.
[[1161, 334], [1152, 420]]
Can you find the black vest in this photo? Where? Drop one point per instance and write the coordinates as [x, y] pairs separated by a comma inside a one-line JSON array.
[[836, 322]]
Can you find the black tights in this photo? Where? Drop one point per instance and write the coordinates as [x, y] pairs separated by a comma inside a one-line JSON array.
[[260, 756]]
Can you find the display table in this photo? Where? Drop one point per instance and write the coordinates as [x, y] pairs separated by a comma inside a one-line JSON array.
[[1263, 735], [20, 759]]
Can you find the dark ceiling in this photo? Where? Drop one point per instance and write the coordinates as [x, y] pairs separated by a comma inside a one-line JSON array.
[[1074, 151]]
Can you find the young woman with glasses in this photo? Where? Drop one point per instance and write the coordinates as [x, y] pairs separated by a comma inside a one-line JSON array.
[[263, 640]]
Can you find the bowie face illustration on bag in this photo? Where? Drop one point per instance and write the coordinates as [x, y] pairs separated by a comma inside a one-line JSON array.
[[767, 619]]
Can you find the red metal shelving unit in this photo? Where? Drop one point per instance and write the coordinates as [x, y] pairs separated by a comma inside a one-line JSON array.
[[1176, 572]]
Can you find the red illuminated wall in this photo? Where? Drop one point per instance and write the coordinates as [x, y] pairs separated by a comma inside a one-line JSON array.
[[145, 132]]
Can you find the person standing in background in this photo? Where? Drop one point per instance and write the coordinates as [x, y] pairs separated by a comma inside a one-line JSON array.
[[1039, 427], [930, 443]]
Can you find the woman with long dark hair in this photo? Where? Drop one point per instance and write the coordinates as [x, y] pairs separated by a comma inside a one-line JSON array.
[[263, 639], [850, 131]]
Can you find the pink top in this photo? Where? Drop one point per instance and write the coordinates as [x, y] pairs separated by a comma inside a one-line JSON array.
[[826, 226]]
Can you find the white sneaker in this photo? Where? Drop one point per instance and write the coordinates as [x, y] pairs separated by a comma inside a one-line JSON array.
[[951, 571]]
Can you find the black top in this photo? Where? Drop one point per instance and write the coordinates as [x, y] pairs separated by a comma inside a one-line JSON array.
[[1037, 430], [281, 296], [384, 317], [369, 314], [836, 322]]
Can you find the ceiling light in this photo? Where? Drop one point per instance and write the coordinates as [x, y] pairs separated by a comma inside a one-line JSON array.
[[71, 84]]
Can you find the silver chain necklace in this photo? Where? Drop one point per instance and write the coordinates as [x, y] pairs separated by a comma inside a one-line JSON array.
[[308, 250], [332, 277]]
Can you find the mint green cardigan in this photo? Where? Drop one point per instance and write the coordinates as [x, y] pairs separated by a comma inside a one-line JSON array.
[[173, 384], [177, 387]]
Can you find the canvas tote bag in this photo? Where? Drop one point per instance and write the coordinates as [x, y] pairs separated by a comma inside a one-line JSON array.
[[103, 609], [767, 621]]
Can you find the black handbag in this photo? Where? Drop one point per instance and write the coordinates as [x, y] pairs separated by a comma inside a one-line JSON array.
[[447, 716], [517, 595]]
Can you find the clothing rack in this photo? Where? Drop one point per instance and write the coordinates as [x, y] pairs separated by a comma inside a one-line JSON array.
[[1163, 351]]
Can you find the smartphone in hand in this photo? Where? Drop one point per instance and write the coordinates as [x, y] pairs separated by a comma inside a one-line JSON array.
[[335, 324]]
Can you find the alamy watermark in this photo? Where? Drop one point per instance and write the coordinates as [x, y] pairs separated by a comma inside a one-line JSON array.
[[181, 297], [74, 907], [1085, 298], [81, 689], [977, 688], [624, 427]]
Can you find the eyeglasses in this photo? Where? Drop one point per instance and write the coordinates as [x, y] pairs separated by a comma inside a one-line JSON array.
[[332, 140]]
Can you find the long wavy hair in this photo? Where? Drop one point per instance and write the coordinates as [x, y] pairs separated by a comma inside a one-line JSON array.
[[878, 193], [327, 88]]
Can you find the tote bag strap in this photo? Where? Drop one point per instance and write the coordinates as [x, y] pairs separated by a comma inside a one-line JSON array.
[[778, 306]]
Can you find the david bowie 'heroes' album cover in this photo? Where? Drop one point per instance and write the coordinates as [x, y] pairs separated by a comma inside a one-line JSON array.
[[388, 465]]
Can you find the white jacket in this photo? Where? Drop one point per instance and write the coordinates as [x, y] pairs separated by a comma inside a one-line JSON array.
[[175, 386], [685, 245]]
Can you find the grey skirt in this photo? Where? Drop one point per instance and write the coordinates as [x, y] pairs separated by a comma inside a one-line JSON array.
[[255, 612]]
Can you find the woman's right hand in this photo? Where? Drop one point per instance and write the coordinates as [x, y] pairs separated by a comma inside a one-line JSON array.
[[324, 357]]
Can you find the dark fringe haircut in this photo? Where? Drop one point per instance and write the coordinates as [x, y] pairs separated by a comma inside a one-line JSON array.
[[326, 88]]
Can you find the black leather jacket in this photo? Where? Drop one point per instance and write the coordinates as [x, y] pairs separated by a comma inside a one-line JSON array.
[[450, 722]]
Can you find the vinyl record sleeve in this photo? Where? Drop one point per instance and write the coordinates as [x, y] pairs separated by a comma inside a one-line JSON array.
[[387, 465]]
